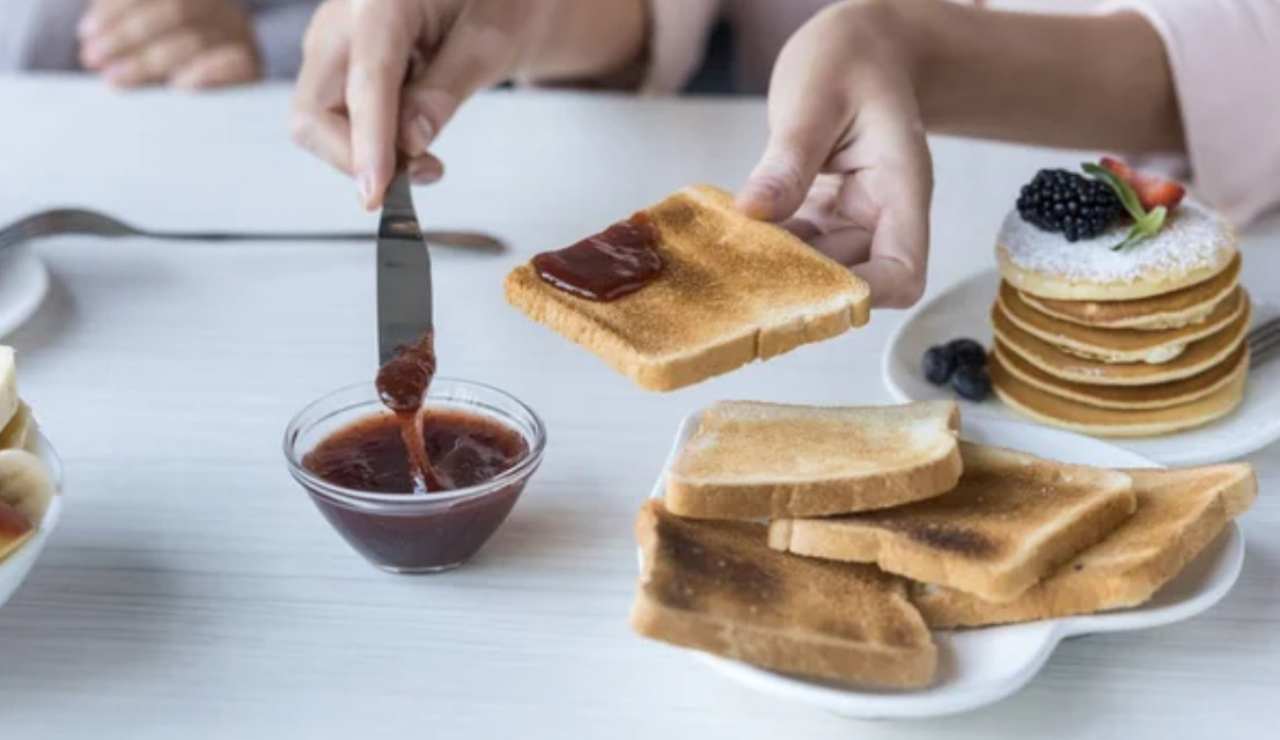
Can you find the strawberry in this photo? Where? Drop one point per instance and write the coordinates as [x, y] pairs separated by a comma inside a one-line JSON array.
[[1152, 191]]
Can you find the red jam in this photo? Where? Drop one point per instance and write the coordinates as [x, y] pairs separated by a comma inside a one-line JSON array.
[[402, 383], [616, 262], [465, 450]]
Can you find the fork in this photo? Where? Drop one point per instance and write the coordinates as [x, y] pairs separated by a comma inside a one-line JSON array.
[[83, 221], [1263, 341]]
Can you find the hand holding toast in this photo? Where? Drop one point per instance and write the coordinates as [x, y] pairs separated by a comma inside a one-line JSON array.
[[847, 167]]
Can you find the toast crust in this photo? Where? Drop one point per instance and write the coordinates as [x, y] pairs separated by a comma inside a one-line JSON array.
[[757, 491], [1012, 520], [1179, 513], [733, 291], [716, 587]]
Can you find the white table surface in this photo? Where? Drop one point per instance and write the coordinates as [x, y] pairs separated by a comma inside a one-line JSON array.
[[192, 590]]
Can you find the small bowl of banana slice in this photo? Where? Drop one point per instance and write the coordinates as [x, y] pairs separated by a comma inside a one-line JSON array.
[[30, 481]]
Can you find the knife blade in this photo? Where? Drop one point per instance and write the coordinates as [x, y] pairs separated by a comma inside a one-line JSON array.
[[404, 273]]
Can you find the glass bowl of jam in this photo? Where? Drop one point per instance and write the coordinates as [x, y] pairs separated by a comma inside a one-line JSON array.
[[348, 451]]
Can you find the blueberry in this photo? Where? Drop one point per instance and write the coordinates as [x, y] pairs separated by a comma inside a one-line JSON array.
[[967, 353], [972, 382], [939, 364]]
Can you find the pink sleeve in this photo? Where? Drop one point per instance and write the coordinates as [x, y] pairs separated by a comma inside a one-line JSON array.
[[1225, 57], [678, 31]]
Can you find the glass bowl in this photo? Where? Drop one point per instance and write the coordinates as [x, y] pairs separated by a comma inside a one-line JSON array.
[[415, 533]]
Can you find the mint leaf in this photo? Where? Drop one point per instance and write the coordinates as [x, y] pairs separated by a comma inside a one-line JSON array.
[[1145, 225], [1135, 235], [1127, 195], [1144, 228], [1155, 220]]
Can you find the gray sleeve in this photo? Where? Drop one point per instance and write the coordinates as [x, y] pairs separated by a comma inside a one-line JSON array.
[[280, 27], [40, 34]]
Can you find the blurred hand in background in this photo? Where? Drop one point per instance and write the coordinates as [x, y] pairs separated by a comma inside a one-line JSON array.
[[185, 43]]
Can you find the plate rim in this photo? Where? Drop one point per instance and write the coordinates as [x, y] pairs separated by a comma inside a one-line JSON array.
[[1229, 449], [18, 565], [908, 705], [24, 310]]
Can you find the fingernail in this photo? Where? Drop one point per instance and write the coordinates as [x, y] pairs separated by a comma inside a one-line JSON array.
[[757, 200], [424, 132], [365, 183]]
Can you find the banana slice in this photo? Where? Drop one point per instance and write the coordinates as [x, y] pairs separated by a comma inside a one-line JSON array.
[[25, 484], [8, 386], [21, 432]]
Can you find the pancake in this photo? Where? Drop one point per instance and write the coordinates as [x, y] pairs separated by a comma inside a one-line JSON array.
[[1117, 345], [15, 530], [1161, 395], [1194, 245], [1198, 357], [1169, 311], [1059, 412]]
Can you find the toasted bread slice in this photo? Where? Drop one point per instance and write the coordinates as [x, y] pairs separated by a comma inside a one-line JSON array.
[[732, 290], [1012, 520], [716, 587], [1179, 513], [750, 460]]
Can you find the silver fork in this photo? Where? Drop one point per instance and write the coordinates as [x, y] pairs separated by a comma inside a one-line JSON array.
[[1263, 341], [82, 221]]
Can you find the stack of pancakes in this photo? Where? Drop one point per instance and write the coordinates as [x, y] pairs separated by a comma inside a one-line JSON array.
[[1146, 341]]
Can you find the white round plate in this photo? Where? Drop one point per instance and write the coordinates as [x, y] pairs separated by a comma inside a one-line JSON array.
[[981, 666], [23, 284], [14, 569], [964, 311]]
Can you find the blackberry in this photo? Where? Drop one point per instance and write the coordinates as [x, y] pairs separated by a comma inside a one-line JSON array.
[[968, 352], [939, 364], [972, 382], [1061, 200]]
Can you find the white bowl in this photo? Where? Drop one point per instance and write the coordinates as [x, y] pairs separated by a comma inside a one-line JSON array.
[[14, 569], [24, 281], [981, 666]]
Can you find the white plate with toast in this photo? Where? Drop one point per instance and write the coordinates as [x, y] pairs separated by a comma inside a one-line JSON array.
[[24, 281], [14, 569], [963, 310], [981, 666]]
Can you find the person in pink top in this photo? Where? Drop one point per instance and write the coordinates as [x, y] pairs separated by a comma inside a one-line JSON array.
[[853, 87]]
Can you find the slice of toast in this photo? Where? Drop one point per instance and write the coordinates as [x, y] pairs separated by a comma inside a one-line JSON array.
[[750, 460], [716, 587], [1179, 513], [1012, 520], [732, 290]]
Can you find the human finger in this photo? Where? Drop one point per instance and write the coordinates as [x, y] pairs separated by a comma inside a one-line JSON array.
[[127, 32], [230, 64], [154, 62], [381, 44]]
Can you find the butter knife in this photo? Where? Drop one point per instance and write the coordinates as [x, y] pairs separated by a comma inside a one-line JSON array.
[[404, 273]]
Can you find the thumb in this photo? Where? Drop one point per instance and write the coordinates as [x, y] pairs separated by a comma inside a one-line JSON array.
[[799, 145], [477, 51]]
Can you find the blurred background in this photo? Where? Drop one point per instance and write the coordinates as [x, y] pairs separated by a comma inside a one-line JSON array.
[[213, 43]]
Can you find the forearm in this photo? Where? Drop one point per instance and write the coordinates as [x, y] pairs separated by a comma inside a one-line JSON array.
[[587, 40], [1090, 81]]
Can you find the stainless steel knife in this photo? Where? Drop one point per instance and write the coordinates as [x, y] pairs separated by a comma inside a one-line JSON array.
[[404, 273]]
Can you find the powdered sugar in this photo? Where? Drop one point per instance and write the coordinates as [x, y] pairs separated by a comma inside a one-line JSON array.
[[1193, 238]]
